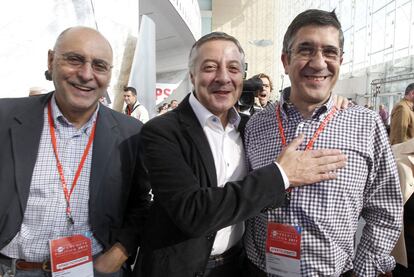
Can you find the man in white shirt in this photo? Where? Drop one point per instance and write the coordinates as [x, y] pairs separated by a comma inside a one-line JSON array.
[[195, 161], [133, 107]]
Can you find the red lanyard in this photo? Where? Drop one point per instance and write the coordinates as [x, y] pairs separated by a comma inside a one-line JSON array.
[[315, 135], [59, 165]]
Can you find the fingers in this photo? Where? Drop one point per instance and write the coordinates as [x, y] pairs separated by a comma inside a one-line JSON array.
[[324, 153], [340, 102], [329, 167], [329, 159]]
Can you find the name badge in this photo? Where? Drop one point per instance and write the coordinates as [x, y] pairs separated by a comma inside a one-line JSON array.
[[283, 249], [71, 256]]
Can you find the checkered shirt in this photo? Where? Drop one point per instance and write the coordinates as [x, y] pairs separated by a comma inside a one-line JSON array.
[[45, 215], [328, 211]]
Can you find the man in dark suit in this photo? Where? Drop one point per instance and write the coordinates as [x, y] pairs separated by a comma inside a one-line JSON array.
[[195, 161], [69, 165]]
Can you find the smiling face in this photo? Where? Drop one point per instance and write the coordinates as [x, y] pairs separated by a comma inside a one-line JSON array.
[[79, 87], [312, 79], [217, 76]]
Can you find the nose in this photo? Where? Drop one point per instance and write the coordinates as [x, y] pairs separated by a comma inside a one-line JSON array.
[[85, 72], [222, 76], [318, 61]]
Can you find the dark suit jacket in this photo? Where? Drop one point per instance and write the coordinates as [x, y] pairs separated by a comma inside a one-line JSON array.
[[115, 171], [188, 206]]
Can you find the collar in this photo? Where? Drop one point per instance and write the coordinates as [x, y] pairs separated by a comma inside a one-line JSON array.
[[288, 107], [409, 103], [59, 117], [203, 114]]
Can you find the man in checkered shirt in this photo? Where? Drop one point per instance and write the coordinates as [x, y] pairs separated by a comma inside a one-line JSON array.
[[367, 187]]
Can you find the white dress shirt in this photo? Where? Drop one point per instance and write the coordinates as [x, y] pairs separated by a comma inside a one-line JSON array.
[[229, 159]]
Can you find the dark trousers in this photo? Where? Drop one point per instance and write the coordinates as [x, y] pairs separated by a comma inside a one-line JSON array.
[[251, 270], [228, 264], [231, 269]]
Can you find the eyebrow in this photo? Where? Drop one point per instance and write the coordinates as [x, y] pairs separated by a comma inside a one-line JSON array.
[[80, 55]]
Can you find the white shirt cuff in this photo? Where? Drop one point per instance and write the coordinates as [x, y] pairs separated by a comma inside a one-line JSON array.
[[284, 176]]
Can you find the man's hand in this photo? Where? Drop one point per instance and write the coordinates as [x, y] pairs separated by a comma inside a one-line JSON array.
[[112, 260], [311, 166], [341, 102]]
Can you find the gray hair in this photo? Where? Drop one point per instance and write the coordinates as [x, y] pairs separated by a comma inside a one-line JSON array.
[[209, 37]]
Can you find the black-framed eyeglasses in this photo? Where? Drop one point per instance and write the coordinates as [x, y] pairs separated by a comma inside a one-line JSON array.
[[76, 60], [306, 52]]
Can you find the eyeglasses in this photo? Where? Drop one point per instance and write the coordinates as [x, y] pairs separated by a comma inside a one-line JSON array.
[[306, 52], [76, 61]]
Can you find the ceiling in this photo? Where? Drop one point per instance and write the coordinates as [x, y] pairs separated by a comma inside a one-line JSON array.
[[171, 30]]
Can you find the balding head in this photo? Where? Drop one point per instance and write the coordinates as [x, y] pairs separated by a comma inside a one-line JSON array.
[[80, 31], [80, 66]]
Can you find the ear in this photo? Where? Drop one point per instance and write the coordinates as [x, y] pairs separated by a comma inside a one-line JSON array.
[[50, 57], [340, 61], [285, 62], [192, 78]]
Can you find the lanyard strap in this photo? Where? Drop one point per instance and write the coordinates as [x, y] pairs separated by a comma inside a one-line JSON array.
[[311, 141], [322, 126], [59, 165]]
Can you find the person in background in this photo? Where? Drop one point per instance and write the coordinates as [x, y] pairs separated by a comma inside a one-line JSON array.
[[384, 117], [33, 91], [69, 165], [320, 221], [163, 109], [133, 107], [383, 114], [402, 136], [263, 97], [173, 104], [402, 118], [404, 249]]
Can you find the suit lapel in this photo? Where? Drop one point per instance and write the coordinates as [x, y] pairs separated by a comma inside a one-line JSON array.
[[103, 145], [192, 128], [25, 133]]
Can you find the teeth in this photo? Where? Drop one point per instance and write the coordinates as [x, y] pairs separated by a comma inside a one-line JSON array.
[[82, 88], [316, 78]]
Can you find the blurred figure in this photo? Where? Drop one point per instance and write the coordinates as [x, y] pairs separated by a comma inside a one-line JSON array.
[[133, 107], [263, 96], [383, 114], [402, 118], [173, 104], [404, 249], [36, 91], [163, 109], [384, 117]]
